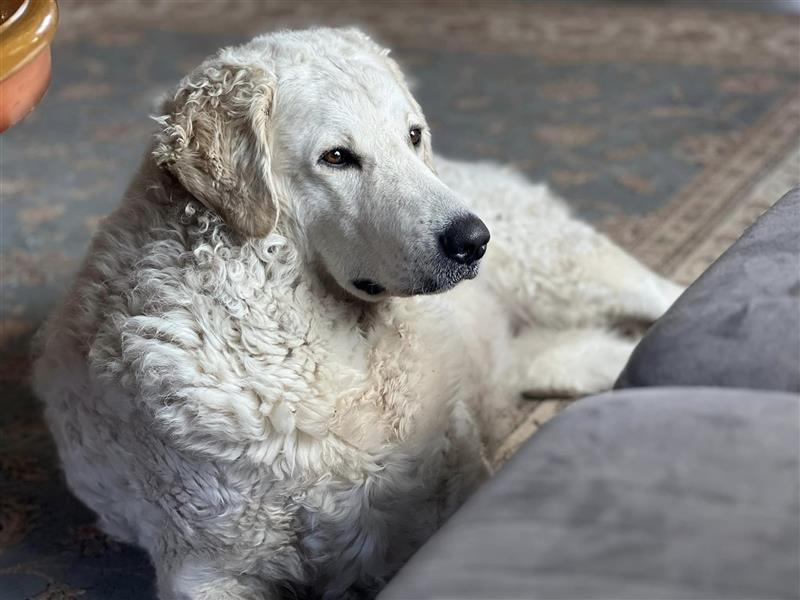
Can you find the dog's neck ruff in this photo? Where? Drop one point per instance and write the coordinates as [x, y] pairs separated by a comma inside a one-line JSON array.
[[284, 250], [272, 296]]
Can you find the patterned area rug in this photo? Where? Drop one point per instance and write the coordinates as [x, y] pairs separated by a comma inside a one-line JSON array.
[[670, 128]]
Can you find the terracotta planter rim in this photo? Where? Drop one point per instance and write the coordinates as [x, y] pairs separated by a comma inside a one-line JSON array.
[[26, 32]]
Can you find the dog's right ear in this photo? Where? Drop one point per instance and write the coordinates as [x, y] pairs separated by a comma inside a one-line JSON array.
[[214, 138]]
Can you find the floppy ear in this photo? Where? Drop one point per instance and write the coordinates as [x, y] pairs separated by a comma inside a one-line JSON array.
[[214, 139]]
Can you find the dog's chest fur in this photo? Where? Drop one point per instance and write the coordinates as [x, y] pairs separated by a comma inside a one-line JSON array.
[[303, 368], [247, 394]]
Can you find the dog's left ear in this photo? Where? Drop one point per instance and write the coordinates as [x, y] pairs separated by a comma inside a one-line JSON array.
[[215, 140]]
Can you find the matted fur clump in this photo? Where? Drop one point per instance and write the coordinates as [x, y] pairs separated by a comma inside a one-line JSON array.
[[257, 375]]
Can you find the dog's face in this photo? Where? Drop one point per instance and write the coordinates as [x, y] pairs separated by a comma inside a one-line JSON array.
[[345, 152]]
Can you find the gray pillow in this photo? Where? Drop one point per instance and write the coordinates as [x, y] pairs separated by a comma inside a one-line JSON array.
[[649, 494], [738, 325]]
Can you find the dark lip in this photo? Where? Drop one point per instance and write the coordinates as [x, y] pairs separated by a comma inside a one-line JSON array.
[[438, 286], [428, 285], [368, 287]]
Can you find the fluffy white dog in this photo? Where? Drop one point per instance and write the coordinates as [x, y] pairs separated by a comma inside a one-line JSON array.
[[252, 377]]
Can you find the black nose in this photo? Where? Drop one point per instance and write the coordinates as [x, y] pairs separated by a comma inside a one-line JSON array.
[[465, 239]]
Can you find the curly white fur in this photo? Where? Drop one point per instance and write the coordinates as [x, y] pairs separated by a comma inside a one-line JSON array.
[[223, 397]]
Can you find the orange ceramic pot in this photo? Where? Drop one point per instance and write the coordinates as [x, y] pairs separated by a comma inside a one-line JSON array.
[[26, 30]]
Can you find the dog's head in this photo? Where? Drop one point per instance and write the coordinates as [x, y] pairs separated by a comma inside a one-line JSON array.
[[319, 128]]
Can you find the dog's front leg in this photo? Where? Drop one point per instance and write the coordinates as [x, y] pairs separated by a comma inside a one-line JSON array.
[[627, 290], [567, 363]]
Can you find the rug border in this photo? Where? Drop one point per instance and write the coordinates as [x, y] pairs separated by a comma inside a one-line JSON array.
[[664, 238]]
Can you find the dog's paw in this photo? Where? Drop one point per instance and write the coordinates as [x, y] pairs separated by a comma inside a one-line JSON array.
[[584, 365]]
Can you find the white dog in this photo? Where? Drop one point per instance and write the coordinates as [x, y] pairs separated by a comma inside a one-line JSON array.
[[252, 377]]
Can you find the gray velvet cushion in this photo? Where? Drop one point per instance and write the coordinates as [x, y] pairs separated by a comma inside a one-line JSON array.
[[649, 493], [739, 324]]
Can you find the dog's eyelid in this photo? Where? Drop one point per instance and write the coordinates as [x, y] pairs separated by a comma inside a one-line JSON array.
[[340, 157]]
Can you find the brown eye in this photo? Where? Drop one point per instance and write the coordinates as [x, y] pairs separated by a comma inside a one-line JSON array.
[[415, 133], [339, 157]]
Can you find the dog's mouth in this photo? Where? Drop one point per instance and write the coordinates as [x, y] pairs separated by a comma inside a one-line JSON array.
[[368, 287], [442, 281]]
